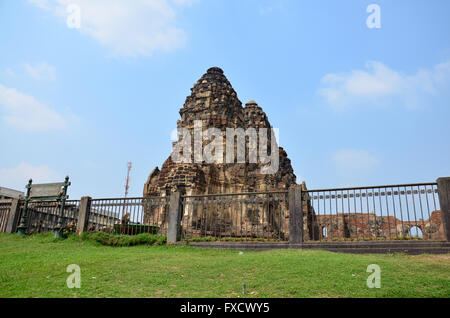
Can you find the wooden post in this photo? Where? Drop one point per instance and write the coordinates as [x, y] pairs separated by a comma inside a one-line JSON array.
[[14, 215], [83, 214], [444, 201], [174, 221], [295, 215]]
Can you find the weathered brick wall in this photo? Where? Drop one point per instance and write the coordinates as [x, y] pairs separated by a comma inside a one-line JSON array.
[[371, 226]]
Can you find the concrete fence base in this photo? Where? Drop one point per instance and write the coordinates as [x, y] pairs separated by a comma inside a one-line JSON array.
[[375, 247]]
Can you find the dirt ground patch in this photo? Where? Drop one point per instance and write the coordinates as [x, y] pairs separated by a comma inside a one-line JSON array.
[[432, 258]]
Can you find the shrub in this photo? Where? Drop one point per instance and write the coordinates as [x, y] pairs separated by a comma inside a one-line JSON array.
[[124, 240], [228, 239]]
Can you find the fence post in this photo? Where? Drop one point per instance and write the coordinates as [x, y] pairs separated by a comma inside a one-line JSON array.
[[295, 215], [83, 214], [174, 221], [22, 228], [444, 201], [14, 215]]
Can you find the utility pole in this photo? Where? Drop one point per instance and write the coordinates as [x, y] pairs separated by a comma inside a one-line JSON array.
[[127, 186], [127, 183]]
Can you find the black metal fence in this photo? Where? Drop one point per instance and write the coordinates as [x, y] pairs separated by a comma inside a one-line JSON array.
[[406, 211], [260, 215], [5, 207], [43, 216], [129, 215], [381, 212]]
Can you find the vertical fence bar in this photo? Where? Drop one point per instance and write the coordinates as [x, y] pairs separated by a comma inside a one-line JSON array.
[[421, 211], [415, 213], [387, 211]]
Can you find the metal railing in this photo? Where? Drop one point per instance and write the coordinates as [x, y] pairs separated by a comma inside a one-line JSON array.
[[43, 216], [379, 212], [5, 207], [388, 212], [259, 215], [129, 215]]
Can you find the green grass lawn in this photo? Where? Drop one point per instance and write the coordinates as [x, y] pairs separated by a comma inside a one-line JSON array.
[[35, 266]]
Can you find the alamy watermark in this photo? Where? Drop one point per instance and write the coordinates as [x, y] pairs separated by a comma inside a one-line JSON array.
[[374, 19], [74, 279], [200, 151], [73, 20], [374, 279]]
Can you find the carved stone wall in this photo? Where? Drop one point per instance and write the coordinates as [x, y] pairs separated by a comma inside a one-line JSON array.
[[214, 102]]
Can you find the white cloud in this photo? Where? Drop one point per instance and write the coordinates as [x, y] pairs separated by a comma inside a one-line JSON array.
[[24, 112], [185, 2], [40, 71], [43, 4], [265, 10], [17, 177], [10, 73], [378, 85], [350, 159], [129, 28], [353, 166]]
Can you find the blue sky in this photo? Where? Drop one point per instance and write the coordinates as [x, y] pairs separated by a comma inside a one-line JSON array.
[[354, 106]]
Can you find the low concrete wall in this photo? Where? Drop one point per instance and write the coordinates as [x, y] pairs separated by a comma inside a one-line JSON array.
[[376, 247]]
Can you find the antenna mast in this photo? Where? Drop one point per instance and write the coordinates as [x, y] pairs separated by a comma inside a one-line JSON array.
[[127, 186], [127, 182]]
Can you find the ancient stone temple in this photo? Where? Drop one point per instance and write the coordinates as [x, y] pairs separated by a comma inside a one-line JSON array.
[[214, 104]]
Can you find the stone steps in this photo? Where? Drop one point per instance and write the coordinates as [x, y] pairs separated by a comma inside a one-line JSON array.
[[385, 244], [382, 250], [241, 245], [376, 247]]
